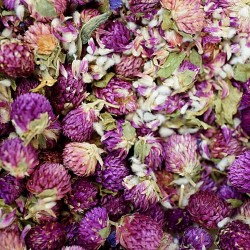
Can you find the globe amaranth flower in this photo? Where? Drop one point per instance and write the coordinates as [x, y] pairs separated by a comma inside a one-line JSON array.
[[89, 13], [149, 150], [115, 36], [196, 238], [112, 173], [207, 209], [51, 177], [83, 195], [118, 92], [69, 91], [230, 194], [73, 248], [181, 155], [239, 173], [80, 2], [121, 139], [16, 158], [138, 231], [142, 193], [33, 118], [10, 188], [234, 236], [12, 63], [94, 229], [82, 158], [129, 66], [244, 209], [24, 86], [143, 6], [47, 236], [78, 123]]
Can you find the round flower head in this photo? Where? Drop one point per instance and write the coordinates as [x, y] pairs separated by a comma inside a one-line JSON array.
[[115, 36], [89, 13], [83, 195], [48, 236], [50, 176], [69, 91], [94, 229], [138, 231], [33, 118], [143, 6], [141, 193], [121, 139], [25, 85], [10, 188], [78, 123], [12, 63], [229, 193], [196, 238], [118, 92], [207, 209], [149, 150], [82, 158], [112, 173], [16, 158], [129, 66], [234, 236], [239, 172]]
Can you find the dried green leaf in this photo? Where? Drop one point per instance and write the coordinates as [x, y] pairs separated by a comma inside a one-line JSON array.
[[195, 58], [108, 122], [128, 131], [242, 72], [104, 233], [234, 202], [45, 8], [186, 81], [47, 193], [104, 81], [167, 22], [141, 150]]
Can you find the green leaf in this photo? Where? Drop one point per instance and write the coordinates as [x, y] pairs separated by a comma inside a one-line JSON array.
[[234, 202], [167, 22], [196, 122], [141, 150], [45, 8], [108, 122], [47, 193], [186, 81], [242, 72], [104, 233], [104, 81], [172, 63], [128, 131], [91, 25], [195, 58]]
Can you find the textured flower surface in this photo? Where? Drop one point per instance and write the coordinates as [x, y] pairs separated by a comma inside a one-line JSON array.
[[25, 85], [143, 6]]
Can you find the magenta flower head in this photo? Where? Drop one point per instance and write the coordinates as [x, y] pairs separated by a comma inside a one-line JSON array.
[[196, 238], [138, 231], [48, 236], [112, 173], [12, 63], [121, 139], [234, 236], [181, 155], [25, 85], [142, 193], [82, 158], [73, 248], [118, 92], [52, 178], [94, 229], [78, 123], [239, 172], [245, 113], [10, 188], [115, 36], [16, 158], [149, 150], [143, 6], [68, 92], [207, 209], [33, 119], [83, 195]]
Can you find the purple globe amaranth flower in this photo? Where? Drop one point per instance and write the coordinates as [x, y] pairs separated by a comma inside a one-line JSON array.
[[112, 173], [47, 236], [24, 86], [143, 6], [234, 236], [149, 150], [118, 92], [208, 209], [244, 209], [12, 63], [72, 248], [94, 229], [196, 238], [138, 231], [121, 139], [16, 158], [80, 2], [116, 205], [181, 155], [78, 123], [10, 188], [115, 36], [129, 66], [10, 4], [50, 179], [245, 113], [33, 119], [69, 91], [82, 158], [177, 220], [142, 193], [83, 195], [239, 172], [230, 194]]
